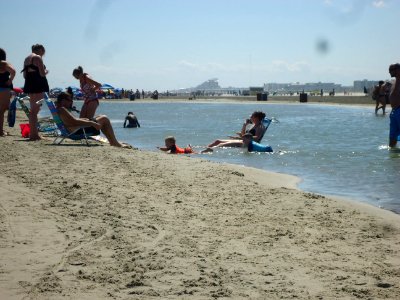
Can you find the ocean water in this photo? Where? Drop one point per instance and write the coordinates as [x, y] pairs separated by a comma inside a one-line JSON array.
[[335, 150]]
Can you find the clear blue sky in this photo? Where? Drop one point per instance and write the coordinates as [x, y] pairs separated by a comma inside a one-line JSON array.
[[170, 44]]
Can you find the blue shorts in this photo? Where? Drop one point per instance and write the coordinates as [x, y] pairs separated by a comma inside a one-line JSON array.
[[394, 124]]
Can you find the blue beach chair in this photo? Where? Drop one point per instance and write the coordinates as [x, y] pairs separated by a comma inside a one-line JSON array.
[[63, 131]]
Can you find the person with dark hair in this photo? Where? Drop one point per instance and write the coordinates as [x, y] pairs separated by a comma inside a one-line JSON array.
[[132, 121], [7, 74], [35, 85], [394, 99], [89, 89], [99, 123], [172, 148], [379, 96], [254, 125]]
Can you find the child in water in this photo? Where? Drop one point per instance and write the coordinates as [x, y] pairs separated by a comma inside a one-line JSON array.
[[253, 146], [171, 147]]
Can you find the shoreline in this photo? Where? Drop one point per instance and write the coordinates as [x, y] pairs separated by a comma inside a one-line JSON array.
[[105, 223], [327, 100]]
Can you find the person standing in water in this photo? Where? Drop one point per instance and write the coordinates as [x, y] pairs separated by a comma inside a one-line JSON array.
[[89, 89], [394, 98], [132, 121]]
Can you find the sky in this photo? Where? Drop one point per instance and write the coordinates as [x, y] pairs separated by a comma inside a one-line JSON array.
[[172, 44]]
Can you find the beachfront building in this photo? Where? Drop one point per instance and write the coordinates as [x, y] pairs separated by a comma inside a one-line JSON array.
[[297, 87], [359, 85]]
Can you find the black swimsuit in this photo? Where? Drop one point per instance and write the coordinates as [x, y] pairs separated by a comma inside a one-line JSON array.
[[4, 77], [34, 82]]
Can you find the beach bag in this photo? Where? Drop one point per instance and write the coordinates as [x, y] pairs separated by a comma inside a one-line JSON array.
[[25, 130]]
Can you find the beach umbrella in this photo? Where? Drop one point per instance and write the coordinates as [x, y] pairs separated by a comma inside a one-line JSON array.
[[107, 86]]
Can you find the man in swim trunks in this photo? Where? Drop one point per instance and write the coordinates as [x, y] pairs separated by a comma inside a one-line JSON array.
[[98, 123], [394, 98], [132, 121]]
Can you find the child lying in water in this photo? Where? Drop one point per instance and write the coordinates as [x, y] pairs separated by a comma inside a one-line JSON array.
[[171, 147]]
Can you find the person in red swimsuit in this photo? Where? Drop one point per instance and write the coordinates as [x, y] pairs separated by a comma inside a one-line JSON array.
[[171, 147]]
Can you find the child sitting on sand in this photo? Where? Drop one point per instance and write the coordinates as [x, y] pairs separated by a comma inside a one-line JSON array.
[[171, 147], [253, 146]]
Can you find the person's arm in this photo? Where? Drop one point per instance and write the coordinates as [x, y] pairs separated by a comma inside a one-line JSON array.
[[259, 133], [126, 119], [94, 82], [243, 131], [395, 93], [70, 120], [163, 148], [37, 60]]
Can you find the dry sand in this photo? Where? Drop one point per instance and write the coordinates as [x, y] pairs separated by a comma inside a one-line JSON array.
[[98, 222]]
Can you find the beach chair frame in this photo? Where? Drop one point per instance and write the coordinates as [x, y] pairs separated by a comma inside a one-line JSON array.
[[63, 133], [45, 125]]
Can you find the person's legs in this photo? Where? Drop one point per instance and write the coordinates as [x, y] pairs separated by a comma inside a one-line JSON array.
[[383, 101], [89, 109], [4, 104], [107, 130], [33, 118], [217, 142], [226, 143], [394, 131]]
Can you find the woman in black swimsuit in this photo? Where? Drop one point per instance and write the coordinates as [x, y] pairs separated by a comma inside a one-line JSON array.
[[35, 85], [7, 73]]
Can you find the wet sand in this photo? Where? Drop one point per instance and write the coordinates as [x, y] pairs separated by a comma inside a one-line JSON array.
[[98, 222]]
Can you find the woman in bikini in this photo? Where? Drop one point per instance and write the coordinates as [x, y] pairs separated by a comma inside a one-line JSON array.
[[257, 130], [7, 74], [89, 89], [35, 85]]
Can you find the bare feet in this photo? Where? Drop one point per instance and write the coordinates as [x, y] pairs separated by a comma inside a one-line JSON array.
[[208, 150]]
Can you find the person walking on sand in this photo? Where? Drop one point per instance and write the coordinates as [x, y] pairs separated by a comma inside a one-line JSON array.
[[394, 99], [7, 74], [89, 89], [35, 85]]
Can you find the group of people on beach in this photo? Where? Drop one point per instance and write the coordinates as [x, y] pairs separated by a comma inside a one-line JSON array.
[[36, 85]]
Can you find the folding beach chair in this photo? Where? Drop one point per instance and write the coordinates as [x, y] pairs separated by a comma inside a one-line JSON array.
[[266, 122], [63, 131], [45, 124]]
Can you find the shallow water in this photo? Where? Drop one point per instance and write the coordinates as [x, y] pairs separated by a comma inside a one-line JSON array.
[[337, 150]]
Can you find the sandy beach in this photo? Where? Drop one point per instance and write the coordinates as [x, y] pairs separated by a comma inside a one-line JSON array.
[[99, 222]]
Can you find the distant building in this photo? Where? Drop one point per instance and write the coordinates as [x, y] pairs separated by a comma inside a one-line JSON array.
[[360, 84], [211, 84]]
